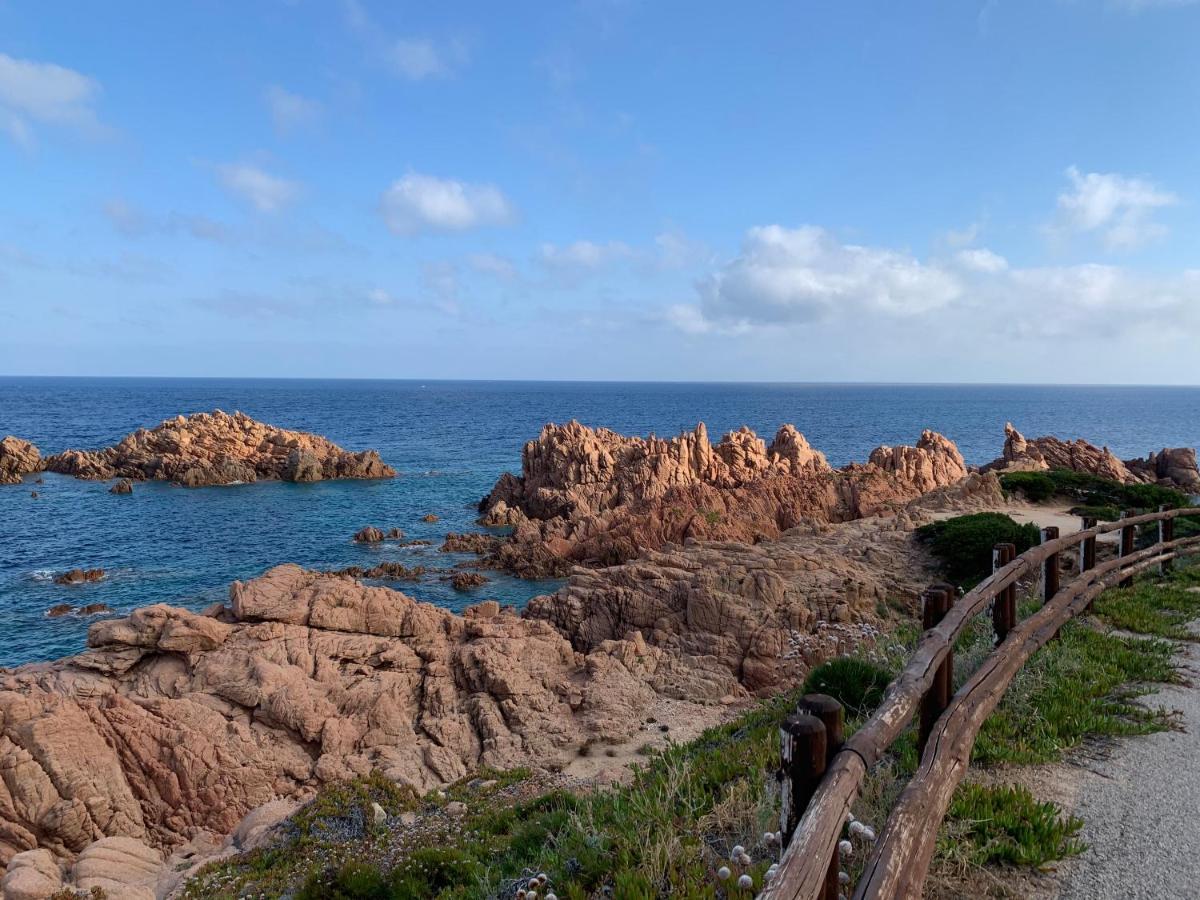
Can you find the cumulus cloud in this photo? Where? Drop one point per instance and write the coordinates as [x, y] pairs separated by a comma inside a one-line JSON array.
[[418, 203], [267, 193], [1116, 208], [806, 278], [45, 93], [289, 111], [805, 274]]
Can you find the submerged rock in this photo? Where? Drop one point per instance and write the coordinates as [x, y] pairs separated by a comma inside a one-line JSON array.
[[124, 486], [79, 576], [218, 448], [465, 581]]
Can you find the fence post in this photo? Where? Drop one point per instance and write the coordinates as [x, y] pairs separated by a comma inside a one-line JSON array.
[[1126, 547], [833, 717], [1004, 607], [937, 603], [1166, 534], [1087, 547], [802, 755], [1050, 570], [1087, 550]]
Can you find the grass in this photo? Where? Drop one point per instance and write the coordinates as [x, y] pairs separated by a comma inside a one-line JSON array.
[[1003, 824], [668, 831]]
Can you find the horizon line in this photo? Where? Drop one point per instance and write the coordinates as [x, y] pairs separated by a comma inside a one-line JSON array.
[[606, 381]]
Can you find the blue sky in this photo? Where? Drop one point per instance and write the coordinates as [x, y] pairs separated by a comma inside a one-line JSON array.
[[606, 189]]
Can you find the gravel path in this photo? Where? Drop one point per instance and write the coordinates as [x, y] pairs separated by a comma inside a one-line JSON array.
[[1140, 807]]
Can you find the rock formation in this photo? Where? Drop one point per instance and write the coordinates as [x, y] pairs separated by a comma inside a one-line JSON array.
[[595, 497], [1174, 466], [17, 458], [1170, 467], [79, 576], [124, 486], [217, 448], [465, 581], [174, 724]]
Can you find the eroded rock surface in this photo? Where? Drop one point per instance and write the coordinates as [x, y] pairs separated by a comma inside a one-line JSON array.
[[174, 725], [17, 458], [218, 448], [595, 497]]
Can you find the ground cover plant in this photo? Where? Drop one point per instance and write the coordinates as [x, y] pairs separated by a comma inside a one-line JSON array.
[[694, 809], [963, 544]]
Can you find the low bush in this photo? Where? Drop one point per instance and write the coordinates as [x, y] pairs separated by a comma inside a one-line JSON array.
[[855, 683], [1090, 490], [964, 544]]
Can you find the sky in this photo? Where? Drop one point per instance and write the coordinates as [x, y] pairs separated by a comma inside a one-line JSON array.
[[953, 191]]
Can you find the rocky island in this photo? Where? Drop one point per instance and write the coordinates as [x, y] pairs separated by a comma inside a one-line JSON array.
[[198, 450]]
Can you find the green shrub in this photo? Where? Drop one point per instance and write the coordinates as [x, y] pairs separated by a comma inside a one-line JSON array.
[[964, 544], [1036, 486], [1090, 490], [855, 683]]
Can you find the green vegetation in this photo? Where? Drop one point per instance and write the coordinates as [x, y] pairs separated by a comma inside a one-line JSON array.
[[855, 683], [668, 831], [1006, 824], [1102, 497], [964, 544]]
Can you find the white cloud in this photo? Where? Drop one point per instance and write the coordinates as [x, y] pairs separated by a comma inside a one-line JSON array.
[[289, 111], [583, 254], [420, 58], [804, 277], [804, 274], [981, 260], [44, 92], [265, 192], [1115, 207], [419, 203], [414, 58], [380, 297]]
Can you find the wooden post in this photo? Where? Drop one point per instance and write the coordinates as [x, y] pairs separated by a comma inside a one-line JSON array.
[[1050, 570], [1004, 607], [1126, 547], [1087, 547], [803, 759], [937, 698], [1166, 534], [833, 717]]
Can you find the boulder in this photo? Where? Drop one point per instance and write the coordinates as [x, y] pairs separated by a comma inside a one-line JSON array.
[[119, 866], [31, 875], [79, 576], [123, 486], [17, 459]]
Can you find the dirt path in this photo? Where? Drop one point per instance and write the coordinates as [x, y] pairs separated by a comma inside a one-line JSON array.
[[1139, 807]]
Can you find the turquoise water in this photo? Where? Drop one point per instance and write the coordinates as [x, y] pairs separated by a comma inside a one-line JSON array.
[[450, 441]]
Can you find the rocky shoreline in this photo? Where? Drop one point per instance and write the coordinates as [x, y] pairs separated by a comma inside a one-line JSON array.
[[704, 575]]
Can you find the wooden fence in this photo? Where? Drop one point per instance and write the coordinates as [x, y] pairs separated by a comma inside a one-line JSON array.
[[823, 774]]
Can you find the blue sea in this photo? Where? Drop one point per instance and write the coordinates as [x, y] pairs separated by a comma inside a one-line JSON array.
[[450, 441]]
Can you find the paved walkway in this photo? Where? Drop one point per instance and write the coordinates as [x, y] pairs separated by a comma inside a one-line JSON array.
[[1141, 808]]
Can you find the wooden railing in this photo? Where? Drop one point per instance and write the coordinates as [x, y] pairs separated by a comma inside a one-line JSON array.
[[823, 775]]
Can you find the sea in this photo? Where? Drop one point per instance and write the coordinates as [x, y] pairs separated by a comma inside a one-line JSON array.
[[449, 440]]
